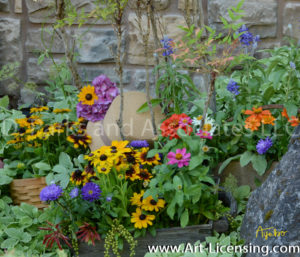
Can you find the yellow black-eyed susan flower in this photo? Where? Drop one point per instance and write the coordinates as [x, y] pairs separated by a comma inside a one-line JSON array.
[[80, 140], [30, 122], [142, 158], [132, 173], [118, 148], [78, 178], [149, 204], [87, 95], [39, 109], [141, 220], [89, 171], [61, 110], [104, 168], [144, 175], [32, 136], [137, 199]]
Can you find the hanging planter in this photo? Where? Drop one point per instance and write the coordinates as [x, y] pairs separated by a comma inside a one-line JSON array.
[[28, 191]]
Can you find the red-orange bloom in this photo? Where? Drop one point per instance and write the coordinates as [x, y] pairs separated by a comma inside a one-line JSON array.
[[170, 126], [268, 119], [294, 121], [258, 113], [284, 114], [252, 123]]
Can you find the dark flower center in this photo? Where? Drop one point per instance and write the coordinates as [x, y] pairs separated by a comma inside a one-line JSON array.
[[103, 169], [22, 130], [130, 159], [130, 172], [103, 157], [144, 174], [142, 217], [153, 202], [91, 155], [89, 97], [64, 121], [46, 128], [30, 120], [114, 151], [141, 199]]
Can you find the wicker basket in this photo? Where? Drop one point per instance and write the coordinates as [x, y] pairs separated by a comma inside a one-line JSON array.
[[28, 191]]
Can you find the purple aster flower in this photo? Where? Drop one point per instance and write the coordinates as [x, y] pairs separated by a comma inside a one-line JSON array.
[[293, 65], [90, 192], [74, 193], [264, 145], [168, 49], [139, 143], [233, 87], [108, 198], [51, 193]]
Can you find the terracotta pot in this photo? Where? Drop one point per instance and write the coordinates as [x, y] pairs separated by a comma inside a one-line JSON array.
[[28, 191], [244, 175], [136, 126]]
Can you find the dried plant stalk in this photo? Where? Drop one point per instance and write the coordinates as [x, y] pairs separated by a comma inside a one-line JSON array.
[[69, 43], [146, 36]]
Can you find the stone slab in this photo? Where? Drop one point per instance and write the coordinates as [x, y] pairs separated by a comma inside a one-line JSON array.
[[291, 20]]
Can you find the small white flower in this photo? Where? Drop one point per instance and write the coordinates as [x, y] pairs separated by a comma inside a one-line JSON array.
[[209, 124]]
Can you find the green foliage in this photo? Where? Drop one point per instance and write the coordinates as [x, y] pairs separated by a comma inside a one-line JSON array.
[[19, 226], [9, 70]]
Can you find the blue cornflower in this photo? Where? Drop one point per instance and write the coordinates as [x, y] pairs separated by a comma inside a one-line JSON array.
[[74, 193], [51, 193], [167, 47], [233, 87], [264, 145], [139, 143], [293, 65], [90, 192]]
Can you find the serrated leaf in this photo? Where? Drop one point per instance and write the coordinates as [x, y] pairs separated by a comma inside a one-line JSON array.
[[9, 243], [195, 162]]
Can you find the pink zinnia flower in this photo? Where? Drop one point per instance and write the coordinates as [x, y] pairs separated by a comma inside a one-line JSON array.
[[185, 121], [180, 157], [204, 134]]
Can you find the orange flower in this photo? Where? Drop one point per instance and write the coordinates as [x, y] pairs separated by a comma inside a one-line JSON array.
[[268, 119], [252, 123], [284, 114], [258, 113], [294, 121]]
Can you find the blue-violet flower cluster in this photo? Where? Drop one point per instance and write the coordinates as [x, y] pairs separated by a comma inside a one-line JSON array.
[[168, 49], [90, 192], [51, 193], [233, 87], [264, 145], [247, 37]]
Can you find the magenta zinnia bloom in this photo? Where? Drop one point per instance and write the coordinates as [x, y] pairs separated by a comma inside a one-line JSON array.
[[180, 157], [204, 134], [185, 121]]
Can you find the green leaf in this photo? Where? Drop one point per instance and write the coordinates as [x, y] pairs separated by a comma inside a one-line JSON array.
[[268, 94], [9, 243], [4, 101], [208, 215], [65, 160], [171, 209], [291, 109], [14, 233], [5, 180], [184, 219], [26, 237], [226, 162], [195, 162], [246, 158], [145, 107], [42, 166], [177, 182], [7, 124], [259, 163]]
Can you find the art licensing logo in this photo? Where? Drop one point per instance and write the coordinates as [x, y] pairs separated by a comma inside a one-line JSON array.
[[266, 233]]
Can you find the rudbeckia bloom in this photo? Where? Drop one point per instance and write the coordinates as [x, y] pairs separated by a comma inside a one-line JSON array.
[[32, 121], [79, 140], [141, 220], [87, 95], [61, 110], [151, 205], [137, 199], [39, 109], [144, 175], [144, 160], [78, 178], [180, 157]]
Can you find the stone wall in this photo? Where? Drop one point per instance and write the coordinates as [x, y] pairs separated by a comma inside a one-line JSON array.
[[22, 23]]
